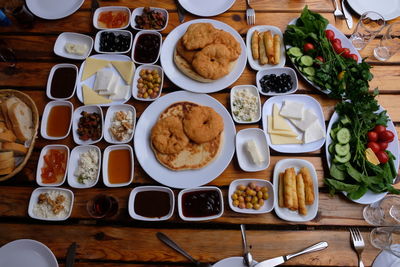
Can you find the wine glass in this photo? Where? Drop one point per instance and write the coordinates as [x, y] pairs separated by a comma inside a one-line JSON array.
[[385, 212]]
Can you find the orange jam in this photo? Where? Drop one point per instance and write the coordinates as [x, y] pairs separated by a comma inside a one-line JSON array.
[[113, 19], [119, 166], [55, 163]]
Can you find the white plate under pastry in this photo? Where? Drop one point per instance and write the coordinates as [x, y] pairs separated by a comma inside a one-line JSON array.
[[387, 259], [53, 9], [206, 8], [389, 9], [232, 262], [187, 178], [183, 81]]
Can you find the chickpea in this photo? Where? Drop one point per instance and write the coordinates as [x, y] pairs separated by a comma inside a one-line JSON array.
[[145, 95], [254, 200], [142, 72], [241, 187], [140, 85], [252, 185], [238, 192], [253, 193], [258, 188], [235, 203], [259, 194], [261, 202], [249, 205], [242, 205], [241, 199], [148, 71], [264, 189], [156, 89], [235, 197], [256, 206], [248, 199], [265, 196], [150, 91], [149, 77], [140, 95], [154, 95], [154, 72]]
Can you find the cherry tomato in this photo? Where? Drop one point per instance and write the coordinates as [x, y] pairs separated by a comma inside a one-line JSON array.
[[386, 136], [383, 145], [320, 59], [330, 35], [337, 47], [382, 156], [308, 46], [374, 146], [379, 128], [337, 41], [372, 136], [346, 52], [354, 57]]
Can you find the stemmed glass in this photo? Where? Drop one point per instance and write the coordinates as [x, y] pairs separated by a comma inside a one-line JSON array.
[[385, 212]]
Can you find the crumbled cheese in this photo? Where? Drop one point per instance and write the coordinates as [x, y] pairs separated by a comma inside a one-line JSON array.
[[88, 167], [245, 105], [56, 207], [122, 125]]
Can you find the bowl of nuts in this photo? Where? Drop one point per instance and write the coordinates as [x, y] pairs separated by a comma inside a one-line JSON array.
[[253, 196], [148, 82]]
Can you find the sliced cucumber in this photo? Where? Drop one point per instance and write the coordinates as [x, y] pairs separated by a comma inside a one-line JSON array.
[[310, 78], [343, 136], [343, 159], [334, 131], [310, 71], [306, 61], [295, 51], [345, 120], [331, 148], [342, 150]]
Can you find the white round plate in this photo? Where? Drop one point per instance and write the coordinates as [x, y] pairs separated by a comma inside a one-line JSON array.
[[231, 262], [206, 8], [53, 9], [369, 197], [188, 178], [389, 9], [385, 258], [27, 252], [184, 82]]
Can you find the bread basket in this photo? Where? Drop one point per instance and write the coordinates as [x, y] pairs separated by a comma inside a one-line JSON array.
[[35, 114]]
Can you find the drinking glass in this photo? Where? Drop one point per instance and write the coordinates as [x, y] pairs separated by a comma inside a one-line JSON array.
[[369, 25], [387, 238], [385, 212], [102, 206], [389, 44]]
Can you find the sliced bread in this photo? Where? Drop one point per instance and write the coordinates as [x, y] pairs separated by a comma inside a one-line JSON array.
[[7, 163], [6, 106], [6, 155], [18, 149], [21, 119], [7, 136], [6, 170]]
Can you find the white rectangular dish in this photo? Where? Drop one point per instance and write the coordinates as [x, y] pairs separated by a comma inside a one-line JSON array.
[[106, 155], [74, 164], [73, 38], [108, 122], [45, 118], [111, 8], [235, 93], [41, 164], [75, 121]]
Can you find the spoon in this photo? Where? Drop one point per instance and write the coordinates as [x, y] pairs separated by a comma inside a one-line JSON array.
[[247, 258], [175, 246]]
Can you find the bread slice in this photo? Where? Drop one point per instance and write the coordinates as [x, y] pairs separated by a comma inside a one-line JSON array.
[[6, 170], [18, 149], [22, 121], [7, 136], [7, 163], [6, 155], [6, 106]]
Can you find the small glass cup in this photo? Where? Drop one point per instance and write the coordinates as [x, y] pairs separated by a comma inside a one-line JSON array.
[[385, 212], [389, 44], [369, 25], [387, 238], [102, 206]]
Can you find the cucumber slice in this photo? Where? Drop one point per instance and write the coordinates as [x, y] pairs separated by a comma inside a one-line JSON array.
[[306, 61], [343, 136], [331, 148], [345, 120], [342, 150], [295, 51], [334, 131], [343, 159], [310, 71]]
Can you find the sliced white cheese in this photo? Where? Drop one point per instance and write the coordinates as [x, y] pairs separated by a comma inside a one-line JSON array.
[[90, 97], [255, 154], [292, 109], [284, 140], [121, 92], [308, 118], [314, 132], [279, 132], [104, 79], [278, 122], [125, 69], [92, 65]]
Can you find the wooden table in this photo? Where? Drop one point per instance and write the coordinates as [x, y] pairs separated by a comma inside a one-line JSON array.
[[122, 241]]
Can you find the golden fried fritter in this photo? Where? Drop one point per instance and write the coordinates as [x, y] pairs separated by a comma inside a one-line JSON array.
[[188, 55], [212, 61], [198, 35], [167, 135], [223, 37]]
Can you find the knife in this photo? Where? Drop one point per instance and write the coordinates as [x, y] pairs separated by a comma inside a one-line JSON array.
[[279, 260], [71, 255], [347, 15], [181, 11]]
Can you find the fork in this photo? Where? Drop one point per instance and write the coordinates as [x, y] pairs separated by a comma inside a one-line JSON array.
[[338, 13], [250, 14], [358, 244]]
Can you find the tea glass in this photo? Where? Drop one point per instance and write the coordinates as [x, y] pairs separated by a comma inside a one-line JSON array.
[[385, 212], [369, 25], [389, 44]]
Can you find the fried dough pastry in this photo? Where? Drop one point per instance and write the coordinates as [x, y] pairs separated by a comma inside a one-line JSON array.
[[212, 61], [198, 35], [202, 124], [167, 135], [225, 38], [188, 55]]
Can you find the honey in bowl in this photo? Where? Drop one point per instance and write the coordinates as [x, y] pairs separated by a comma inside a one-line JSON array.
[[119, 166], [58, 121]]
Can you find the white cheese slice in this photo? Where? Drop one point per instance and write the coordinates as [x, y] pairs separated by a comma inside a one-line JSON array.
[[308, 118], [279, 132], [121, 92], [278, 122], [92, 65], [125, 69], [284, 140], [90, 97], [104, 79], [292, 109], [314, 133]]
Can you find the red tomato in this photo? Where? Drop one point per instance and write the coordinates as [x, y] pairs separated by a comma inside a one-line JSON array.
[[354, 57], [372, 136], [308, 46], [379, 128], [374, 146], [346, 52], [386, 136], [337, 41], [330, 35], [320, 59], [382, 156], [383, 145], [337, 47]]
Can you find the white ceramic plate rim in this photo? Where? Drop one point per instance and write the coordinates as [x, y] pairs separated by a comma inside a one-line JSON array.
[[42, 12], [187, 178], [231, 262], [363, 6], [107, 123], [199, 8], [184, 82], [369, 197], [74, 163], [253, 90]]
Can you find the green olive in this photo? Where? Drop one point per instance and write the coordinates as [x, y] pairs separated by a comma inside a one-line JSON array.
[[235, 203]]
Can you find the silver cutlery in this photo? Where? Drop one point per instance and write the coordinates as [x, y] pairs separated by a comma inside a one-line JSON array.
[[250, 14], [181, 11], [70, 259], [177, 248], [358, 244], [347, 15], [279, 260], [247, 257], [337, 13]]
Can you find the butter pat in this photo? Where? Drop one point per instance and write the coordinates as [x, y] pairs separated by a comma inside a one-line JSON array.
[[77, 49], [292, 110], [254, 152]]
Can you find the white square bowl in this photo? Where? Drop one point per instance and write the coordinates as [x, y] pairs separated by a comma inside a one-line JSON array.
[[137, 76], [135, 43], [106, 155], [244, 158], [253, 90], [75, 38], [110, 8], [285, 213], [108, 121], [116, 32], [75, 120], [41, 164], [45, 118], [199, 189], [277, 72], [74, 163], [268, 204], [51, 76], [35, 195], [139, 11], [131, 202]]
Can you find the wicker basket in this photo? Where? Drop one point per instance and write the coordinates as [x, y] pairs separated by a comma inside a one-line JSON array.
[[27, 100]]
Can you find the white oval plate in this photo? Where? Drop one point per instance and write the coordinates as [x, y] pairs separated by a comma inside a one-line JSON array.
[[45, 118], [285, 213], [253, 90], [53, 9], [139, 11], [106, 155], [184, 82], [73, 166], [206, 8], [108, 121], [254, 64], [27, 252], [75, 38], [75, 120], [369, 197], [111, 8], [137, 76], [41, 164], [232, 262], [309, 103], [187, 178], [389, 9]]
